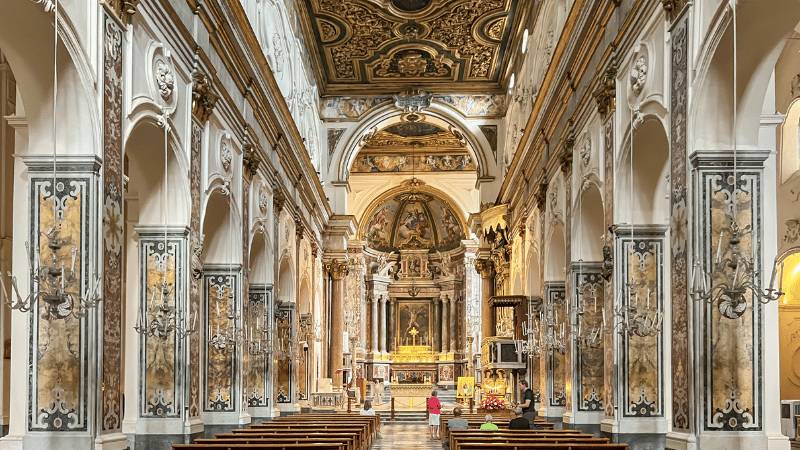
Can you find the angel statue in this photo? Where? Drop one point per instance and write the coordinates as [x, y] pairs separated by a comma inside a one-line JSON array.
[[385, 264], [444, 263], [197, 260]]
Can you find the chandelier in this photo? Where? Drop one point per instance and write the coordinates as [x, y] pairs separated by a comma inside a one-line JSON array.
[[226, 337], [737, 272], [55, 280], [587, 337], [165, 320], [258, 338], [531, 344], [637, 318], [554, 338]]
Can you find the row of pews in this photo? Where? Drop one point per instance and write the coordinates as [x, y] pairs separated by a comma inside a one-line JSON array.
[[543, 437], [304, 431]]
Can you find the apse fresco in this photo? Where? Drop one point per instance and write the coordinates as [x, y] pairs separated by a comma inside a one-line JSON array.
[[409, 221]]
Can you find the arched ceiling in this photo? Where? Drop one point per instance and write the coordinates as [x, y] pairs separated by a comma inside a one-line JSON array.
[[414, 146], [385, 46], [412, 219]]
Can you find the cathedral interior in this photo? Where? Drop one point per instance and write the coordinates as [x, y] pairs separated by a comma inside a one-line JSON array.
[[216, 214]]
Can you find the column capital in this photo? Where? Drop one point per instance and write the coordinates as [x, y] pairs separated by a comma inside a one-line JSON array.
[[337, 269], [484, 267], [204, 99]]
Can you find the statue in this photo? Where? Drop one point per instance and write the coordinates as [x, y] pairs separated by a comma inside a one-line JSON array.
[[444, 264], [197, 260], [385, 264]]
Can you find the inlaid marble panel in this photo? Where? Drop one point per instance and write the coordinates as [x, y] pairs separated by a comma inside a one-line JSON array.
[[732, 352], [255, 373], [284, 367], [221, 301], [556, 374], [609, 374], [679, 233], [589, 291], [196, 246], [113, 223], [640, 255], [59, 349], [162, 263]]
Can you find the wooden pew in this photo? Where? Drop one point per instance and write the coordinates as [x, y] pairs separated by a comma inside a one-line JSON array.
[[222, 445], [458, 442], [348, 442], [543, 446], [350, 439], [362, 431], [469, 435]]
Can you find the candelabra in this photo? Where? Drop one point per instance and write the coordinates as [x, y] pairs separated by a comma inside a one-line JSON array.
[[632, 318], [55, 281], [530, 345], [165, 320], [258, 338], [226, 338], [592, 336], [738, 277], [554, 338]]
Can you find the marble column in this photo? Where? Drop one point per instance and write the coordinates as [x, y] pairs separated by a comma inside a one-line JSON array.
[[452, 318], [484, 268], [382, 328], [374, 325], [392, 336], [337, 270], [445, 326], [435, 339]]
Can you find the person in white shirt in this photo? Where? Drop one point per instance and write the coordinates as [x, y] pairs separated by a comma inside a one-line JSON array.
[[367, 410]]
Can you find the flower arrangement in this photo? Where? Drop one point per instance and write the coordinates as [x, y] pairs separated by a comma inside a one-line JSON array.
[[491, 402]]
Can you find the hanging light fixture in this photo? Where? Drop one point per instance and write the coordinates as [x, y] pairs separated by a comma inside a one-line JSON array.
[[633, 317], [531, 344], [738, 272], [258, 339], [585, 337], [165, 319], [55, 279]]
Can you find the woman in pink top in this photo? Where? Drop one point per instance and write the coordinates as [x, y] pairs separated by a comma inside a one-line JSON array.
[[434, 409]]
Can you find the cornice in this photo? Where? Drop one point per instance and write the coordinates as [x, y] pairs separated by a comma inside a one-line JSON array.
[[547, 116], [232, 37]]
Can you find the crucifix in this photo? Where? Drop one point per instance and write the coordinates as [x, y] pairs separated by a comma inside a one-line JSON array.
[[413, 332]]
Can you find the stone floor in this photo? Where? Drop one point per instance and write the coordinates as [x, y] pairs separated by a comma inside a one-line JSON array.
[[405, 436]]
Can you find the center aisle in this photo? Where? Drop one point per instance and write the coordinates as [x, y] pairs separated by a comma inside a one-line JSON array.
[[405, 436]]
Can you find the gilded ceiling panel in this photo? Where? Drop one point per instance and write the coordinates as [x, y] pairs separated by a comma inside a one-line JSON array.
[[388, 45]]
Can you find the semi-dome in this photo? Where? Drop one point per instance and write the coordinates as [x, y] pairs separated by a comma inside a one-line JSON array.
[[412, 220]]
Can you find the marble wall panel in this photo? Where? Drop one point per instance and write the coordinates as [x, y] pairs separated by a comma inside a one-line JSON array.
[[113, 223], [162, 262], [59, 349], [555, 294], [221, 292], [589, 291], [255, 373], [731, 347], [640, 255]]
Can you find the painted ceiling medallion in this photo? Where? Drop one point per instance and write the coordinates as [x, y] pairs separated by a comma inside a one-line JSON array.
[[411, 5], [375, 47]]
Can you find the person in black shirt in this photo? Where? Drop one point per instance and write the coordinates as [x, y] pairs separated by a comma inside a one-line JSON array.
[[527, 405], [519, 422]]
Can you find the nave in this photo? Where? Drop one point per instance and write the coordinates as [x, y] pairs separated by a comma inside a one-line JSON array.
[[230, 214]]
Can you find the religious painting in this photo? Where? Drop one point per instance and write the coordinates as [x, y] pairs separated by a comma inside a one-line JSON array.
[[418, 220], [446, 372], [379, 226], [413, 323], [414, 227], [466, 387]]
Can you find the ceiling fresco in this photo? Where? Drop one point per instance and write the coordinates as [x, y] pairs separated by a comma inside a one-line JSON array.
[[413, 147], [413, 220], [374, 46]]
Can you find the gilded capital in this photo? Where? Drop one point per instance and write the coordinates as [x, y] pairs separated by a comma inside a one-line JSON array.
[[337, 269], [484, 267], [203, 97]]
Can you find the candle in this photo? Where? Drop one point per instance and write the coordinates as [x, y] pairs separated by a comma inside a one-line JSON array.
[[719, 247], [648, 298], [780, 279], [74, 255], [604, 317], [62, 276]]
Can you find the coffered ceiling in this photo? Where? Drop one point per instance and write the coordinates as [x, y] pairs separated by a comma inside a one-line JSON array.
[[387, 46]]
